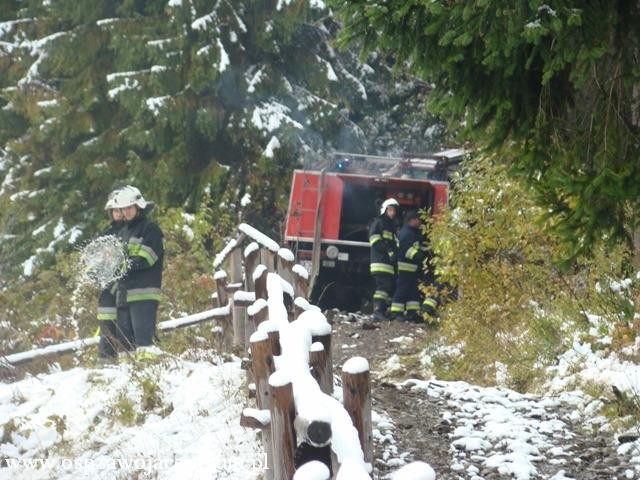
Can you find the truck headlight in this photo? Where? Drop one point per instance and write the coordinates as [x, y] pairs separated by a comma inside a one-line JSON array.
[[332, 252]]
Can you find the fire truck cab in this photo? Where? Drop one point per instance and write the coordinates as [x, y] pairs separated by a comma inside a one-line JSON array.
[[332, 207]]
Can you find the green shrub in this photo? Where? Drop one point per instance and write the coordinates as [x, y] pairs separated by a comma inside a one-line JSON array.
[[515, 307], [124, 410]]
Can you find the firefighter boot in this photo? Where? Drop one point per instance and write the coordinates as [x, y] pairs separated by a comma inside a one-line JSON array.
[[380, 310], [429, 306]]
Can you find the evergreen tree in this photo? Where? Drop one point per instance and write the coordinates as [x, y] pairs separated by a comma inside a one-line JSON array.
[[552, 86], [187, 99]]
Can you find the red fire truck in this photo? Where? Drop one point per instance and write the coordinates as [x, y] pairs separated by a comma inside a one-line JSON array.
[[332, 206]]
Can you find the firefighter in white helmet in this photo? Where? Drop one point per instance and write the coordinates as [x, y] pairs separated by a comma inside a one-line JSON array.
[[138, 293], [384, 257], [107, 348]]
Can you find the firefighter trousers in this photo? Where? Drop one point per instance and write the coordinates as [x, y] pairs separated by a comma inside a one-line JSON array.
[[407, 296], [107, 348], [385, 287], [137, 324]]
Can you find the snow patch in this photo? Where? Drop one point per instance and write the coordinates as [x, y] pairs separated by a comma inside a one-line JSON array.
[[286, 255], [415, 471], [200, 433], [356, 365], [273, 145], [154, 104], [244, 201], [271, 116], [224, 61], [300, 271]]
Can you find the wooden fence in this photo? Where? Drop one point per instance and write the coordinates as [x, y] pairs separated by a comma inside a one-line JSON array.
[[289, 341], [264, 312]]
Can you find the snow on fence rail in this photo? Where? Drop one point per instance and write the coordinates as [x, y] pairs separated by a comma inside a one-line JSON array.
[[265, 312]]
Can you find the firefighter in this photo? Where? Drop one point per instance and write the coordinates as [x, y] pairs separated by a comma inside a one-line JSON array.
[[384, 255], [406, 301], [138, 293], [107, 351]]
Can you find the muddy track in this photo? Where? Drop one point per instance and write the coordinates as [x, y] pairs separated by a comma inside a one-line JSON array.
[[417, 429]]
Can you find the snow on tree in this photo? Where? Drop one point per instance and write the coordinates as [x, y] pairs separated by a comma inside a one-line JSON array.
[[183, 99]]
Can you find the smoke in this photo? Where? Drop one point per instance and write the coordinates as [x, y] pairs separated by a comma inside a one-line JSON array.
[[102, 262]]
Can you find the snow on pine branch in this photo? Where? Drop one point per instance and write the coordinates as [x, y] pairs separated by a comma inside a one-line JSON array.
[[224, 61], [155, 104], [273, 145], [37, 49], [270, 116]]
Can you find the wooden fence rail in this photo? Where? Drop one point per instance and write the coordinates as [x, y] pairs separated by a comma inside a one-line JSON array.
[[20, 358]]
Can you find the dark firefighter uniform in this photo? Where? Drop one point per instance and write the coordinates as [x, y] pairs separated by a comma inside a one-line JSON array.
[[107, 311], [384, 254], [139, 291], [412, 253]]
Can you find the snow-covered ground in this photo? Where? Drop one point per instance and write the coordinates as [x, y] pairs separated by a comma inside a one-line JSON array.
[[497, 430], [176, 419], [180, 419]]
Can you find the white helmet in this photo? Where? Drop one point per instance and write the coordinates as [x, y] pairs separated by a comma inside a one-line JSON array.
[[389, 202], [109, 205], [127, 196]]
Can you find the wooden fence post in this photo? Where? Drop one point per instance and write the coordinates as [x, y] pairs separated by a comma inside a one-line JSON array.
[[260, 279], [235, 266], [268, 259], [244, 300], [285, 261], [257, 312], [251, 256], [300, 281], [220, 278], [356, 398], [283, 413], [318, 363], [326, 375], [274, 339], [251, 260], [215, 303], [263, 367]]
